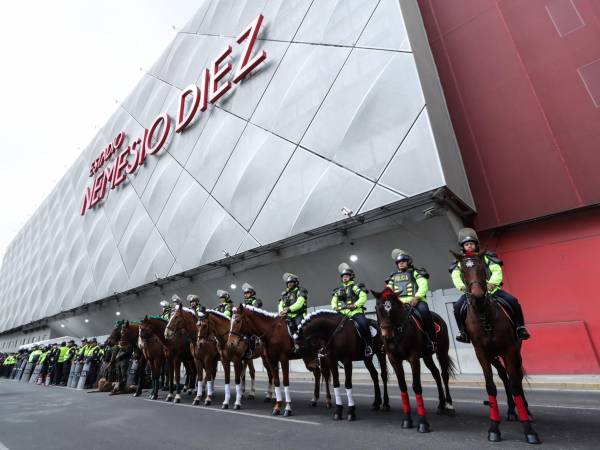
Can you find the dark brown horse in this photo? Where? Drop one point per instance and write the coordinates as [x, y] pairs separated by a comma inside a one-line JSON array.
[[180, 333], [152, 344], [279, 349], [337, 338], [496, 344], [128, 350], [404, 339], [206, 355]]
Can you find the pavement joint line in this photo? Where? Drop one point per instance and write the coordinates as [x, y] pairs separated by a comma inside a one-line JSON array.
[[230, 411]]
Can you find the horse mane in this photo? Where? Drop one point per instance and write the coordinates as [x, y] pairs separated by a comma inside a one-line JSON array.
[[312, 316], [261, 312], [217, 313]]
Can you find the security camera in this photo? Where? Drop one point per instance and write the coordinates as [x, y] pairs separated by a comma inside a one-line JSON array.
[[347, 211]]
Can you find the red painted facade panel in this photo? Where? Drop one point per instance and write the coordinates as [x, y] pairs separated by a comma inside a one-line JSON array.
[[528, 128], [552, 266]]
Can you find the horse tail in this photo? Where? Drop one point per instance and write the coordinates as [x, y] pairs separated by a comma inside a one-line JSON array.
[[452, 370]]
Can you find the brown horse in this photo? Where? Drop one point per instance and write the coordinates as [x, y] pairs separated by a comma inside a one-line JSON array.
[[336, 337], [404, 339], [279, 349], [216, 326], [128, 350], [153, 346], [180, 333], [496, 344], [206, 355]]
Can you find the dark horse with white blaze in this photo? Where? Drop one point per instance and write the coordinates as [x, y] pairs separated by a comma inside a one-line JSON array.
[[405, 339], [493, 336], [272, 330], [336, 337]]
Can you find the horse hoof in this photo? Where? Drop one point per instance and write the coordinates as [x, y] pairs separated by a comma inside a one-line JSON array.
[[225, 406], [207, 402], [237, 407], [177, 400], [268, 400], [168, 399], [406, 424], [423, 427], [196, 402], [385, 408], [313, 403], [339, 411], [137, 394], [287, 413], [328, 405], [375, 407], [532, 438], [251, 397], [351, 417], [494, 436], [276, 412]]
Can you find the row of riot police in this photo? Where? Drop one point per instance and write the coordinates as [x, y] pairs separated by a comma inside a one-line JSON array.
[[62, 365]]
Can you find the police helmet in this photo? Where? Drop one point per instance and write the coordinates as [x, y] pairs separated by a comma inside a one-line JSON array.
[[248, 288], [176, 299], [223, 294], [290, 278], [345, 269], [400, 255], [467, 235], [193, 299], [164, 303]]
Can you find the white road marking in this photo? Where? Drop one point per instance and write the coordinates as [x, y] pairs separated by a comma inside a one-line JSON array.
[[230, 411], [3, 447]]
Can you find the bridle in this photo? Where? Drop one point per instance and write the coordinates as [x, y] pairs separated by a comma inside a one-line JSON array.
[[396, 330]]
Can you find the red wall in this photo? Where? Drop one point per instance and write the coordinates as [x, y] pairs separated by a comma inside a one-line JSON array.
[[553, 267], [527, 124]]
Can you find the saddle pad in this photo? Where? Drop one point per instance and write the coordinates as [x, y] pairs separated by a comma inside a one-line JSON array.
[[436, 327]]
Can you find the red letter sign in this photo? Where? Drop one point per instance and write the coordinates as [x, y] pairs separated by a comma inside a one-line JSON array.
[[246, 64]]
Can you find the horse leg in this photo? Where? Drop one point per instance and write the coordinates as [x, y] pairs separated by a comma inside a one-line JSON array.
[[199, 370], [515, 376], [415, 365], [209, 363], [317, 375], [428, 360], [269, 392], [178, 382], [445, 364], [239, 368], [339, 405], [376, 406], [278, 398], [406, 411], [252, 379], [494, 430], [511, 413], [227, 386], [285, 369], [326, 374], [140, 376], [170, 376], [348, 385]]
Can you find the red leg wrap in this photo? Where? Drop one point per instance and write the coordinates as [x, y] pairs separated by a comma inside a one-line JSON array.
[[494, 411], [420, 405], [405, 402], [521, 409]]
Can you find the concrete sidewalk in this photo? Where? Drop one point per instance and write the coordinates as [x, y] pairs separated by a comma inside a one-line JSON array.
[[540, 382]]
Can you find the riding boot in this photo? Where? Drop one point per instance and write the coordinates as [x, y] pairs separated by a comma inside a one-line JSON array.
[[368, 343], [522, 332]]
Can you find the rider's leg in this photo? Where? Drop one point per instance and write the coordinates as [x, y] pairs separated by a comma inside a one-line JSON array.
[[518, 313], [363, 325], [423, 309], [460, 319]]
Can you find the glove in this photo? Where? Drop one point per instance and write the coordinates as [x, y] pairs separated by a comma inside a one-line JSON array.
[[351, 307]]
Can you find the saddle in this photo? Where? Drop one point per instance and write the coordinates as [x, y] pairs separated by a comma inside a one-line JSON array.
[[416, 317], [504, 307]]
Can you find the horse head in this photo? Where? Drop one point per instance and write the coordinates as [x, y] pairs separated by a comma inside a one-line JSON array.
[[473, 273], [391, 313], [125, 338], [236, 331], [115, 335], [145, 332]]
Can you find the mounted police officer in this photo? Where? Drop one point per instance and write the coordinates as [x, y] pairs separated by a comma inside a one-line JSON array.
[[175, 300], [412, 284], [166, 310], [469, 243], [250, 296], [350, 300], [293, 302], [194, 303], [225, 304]]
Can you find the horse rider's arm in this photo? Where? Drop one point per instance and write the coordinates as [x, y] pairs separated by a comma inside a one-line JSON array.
[[298, 304], [457, 279], [496, 276], [335, 301], [362, 298], [280, 306], [423, 287]]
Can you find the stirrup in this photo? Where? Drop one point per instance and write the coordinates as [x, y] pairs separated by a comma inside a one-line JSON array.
[[522, 333], [463, 337], [368, 351], [431, 346]]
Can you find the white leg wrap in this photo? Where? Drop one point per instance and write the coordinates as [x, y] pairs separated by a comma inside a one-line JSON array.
[[227, 394], [278, 393], [238, 394], [338, 396], [177, 397], [288, 396], [199, 388], [209, 388], [449, 406], [350, 399]]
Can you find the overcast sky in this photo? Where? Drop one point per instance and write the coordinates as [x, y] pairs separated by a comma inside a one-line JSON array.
[[64, 65]]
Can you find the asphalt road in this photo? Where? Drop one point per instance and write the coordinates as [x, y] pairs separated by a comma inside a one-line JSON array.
[[33, 417]]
